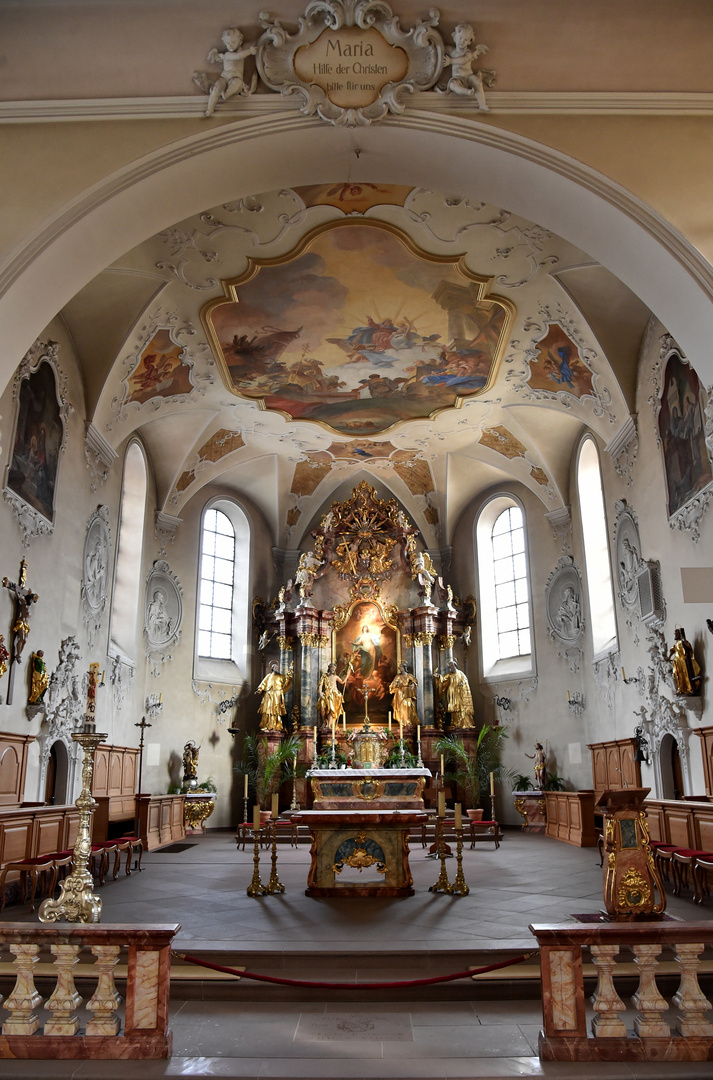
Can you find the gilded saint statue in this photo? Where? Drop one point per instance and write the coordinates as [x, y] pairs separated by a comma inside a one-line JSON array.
[[273, 689], [459, 701], [404, 688], [39, 679], [686, 672], [330, 699], [4, 656], [190, 766]]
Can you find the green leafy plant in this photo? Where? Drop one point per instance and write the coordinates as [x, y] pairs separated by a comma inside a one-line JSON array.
[[393, 761], [522, 782], [326, 756], [472, 773], [554, 783], [268, 770], [207, 785]]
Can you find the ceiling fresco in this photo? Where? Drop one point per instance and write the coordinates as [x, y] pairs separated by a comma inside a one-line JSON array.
[[290, 342], [359, 332]]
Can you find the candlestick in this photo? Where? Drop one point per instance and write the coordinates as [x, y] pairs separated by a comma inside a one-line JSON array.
[[294, 805], [256, 887]]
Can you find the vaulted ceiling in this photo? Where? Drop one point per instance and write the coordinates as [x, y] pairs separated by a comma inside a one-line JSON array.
[[284, 343]]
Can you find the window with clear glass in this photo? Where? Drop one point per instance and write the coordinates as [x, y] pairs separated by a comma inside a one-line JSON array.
[[128, 576], [512, 601], [504, 589], [217, 584], [596, 551]]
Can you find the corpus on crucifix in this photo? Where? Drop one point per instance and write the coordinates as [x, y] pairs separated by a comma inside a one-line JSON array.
[[24, 599]]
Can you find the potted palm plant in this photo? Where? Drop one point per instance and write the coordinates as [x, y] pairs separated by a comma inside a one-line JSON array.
[[472, 772], [267, 770]]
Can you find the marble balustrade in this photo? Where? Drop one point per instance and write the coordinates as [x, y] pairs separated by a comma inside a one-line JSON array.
[[61, 953], [613, 946]]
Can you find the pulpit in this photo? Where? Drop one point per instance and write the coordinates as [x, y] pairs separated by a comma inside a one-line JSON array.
[[631, 881]]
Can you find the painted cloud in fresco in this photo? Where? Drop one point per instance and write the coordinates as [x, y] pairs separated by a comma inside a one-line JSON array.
[[358, 333]]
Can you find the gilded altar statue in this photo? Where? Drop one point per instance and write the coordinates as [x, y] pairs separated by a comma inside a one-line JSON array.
[[459, 700], [404, 688], [40, 680], [330, 700], [273, 689], [686, 672]]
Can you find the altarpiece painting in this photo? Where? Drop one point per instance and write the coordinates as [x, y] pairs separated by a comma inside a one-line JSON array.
[[682, 432], [366, 649], [39, 435]]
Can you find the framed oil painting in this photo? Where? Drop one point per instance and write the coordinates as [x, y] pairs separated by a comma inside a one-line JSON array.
[[358, 330], [40, 434], [366, 652], [681, 423]]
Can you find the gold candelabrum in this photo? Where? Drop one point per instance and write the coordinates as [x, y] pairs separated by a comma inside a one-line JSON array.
[[274, 885], [256, 887], [442, 884], [459, 887], [76, 901]]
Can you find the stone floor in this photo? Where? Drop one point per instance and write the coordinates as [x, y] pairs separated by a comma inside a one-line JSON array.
[[224, 1028]]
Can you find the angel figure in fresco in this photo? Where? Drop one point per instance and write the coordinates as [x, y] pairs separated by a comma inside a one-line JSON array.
[[231, 80], [561, 372], [465, 80]]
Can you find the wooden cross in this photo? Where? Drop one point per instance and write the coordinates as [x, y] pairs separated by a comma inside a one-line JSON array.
[[24, 599]]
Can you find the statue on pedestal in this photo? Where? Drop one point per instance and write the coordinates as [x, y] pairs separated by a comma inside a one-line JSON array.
[[273, 689], [540, 766], [330, 700], [190, 766], [459, 700], [686, 672], [404, 688]]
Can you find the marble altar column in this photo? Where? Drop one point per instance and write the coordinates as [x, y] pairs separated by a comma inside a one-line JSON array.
[[286, 645], [424, 674], [306, 650]]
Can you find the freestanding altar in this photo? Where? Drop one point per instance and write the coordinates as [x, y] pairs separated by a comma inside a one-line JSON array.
[[371, 841]]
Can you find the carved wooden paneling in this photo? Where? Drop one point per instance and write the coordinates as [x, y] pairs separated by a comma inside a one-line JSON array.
[[705, 734], [614, 765], [161, 820], [26, 832], [115, 770], [13, 765], [570, 817], [685, 824]]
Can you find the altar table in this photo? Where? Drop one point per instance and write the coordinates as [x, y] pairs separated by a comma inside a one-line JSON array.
[[374, 842], [375, 789]]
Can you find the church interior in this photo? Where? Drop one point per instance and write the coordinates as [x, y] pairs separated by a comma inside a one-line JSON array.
[[374, 448]]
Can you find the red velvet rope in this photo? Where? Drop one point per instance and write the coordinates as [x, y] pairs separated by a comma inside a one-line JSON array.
[[351, 985]]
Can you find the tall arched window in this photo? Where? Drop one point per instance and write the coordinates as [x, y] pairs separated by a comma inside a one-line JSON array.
[[224, 572], [596, 551], [503, 576], [130, 544], [215, 613]]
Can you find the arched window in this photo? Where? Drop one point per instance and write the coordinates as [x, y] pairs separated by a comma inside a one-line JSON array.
[[596, 551], [224, 568], [503, 576], [130, 544], [215, 613]]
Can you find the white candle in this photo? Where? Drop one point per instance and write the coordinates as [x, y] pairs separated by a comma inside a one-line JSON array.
[[418, 732], [441, 804], [623, 674], [389, 723], [459, 816], [256, 818], [275, 808], [401, 730], [492, 783], [246, 786], [441, 766]]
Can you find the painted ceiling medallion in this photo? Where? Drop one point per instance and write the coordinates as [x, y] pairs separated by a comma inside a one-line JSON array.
[[359, 330]]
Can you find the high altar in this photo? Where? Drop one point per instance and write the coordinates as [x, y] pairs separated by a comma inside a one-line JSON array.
[[366, 628]]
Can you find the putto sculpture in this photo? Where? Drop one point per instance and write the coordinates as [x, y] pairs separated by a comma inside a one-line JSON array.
[[231, 80]]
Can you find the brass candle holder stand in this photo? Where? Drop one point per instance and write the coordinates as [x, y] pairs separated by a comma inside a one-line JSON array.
[[274, 885], [442, 884], [76, 901], [459, 886], [256, 887]]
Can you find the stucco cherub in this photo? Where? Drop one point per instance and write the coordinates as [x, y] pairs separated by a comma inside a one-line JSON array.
[[464, 79], [231, 80]]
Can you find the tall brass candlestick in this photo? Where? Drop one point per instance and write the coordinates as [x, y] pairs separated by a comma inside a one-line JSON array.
[[460, 886], [76, 901], [442, 884]]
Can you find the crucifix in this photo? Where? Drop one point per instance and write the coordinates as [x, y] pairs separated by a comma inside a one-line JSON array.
[[24, 599], [143, 725]]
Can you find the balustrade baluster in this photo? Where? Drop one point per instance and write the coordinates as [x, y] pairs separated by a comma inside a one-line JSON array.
[[606, 1002], [24, 998], [105, 1000], [689, 997], [647, 999], [65, 999]]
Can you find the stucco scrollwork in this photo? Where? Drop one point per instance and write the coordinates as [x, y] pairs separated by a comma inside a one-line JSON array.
[[95, 571], [629, 562], [66, 699], [563, 603], [163, 614], [380, 64], [121, 678]]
